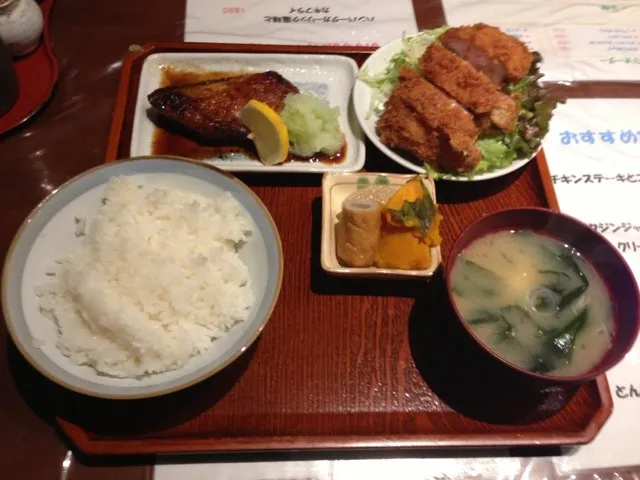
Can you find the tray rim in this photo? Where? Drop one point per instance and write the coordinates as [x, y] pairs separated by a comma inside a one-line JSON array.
[[141, 446]]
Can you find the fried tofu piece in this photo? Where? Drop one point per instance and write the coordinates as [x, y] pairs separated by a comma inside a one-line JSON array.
[[468, 86], [401, 129], [490, 50], [455, 126]]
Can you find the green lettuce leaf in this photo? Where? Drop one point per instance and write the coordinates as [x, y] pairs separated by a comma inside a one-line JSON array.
[[543, 112], [382, 83], [495, 154]]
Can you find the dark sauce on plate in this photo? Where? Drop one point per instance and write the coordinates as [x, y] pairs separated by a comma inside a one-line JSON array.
[[171, 139]]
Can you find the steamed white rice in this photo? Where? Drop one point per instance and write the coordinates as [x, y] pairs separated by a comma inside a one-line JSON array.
[[157, 278]]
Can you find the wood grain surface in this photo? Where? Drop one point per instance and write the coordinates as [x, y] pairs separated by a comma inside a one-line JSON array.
[[344, 363]]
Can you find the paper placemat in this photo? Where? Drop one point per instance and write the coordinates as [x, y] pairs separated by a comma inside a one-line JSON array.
[[309, 470], [330, 22], [535, 12], [593, 151], [580, 41]]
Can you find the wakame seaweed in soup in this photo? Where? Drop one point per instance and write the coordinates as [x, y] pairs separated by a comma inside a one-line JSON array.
[[534, 301]]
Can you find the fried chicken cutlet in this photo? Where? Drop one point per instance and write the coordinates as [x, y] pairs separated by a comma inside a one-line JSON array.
[[437, 113], [490, 50], [400, 128], [468, 86], [209, 108]]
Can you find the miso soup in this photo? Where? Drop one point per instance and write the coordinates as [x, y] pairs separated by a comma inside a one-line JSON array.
[[534, 301]]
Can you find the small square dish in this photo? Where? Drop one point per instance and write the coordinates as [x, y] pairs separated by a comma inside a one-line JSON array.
[[336, 187], [327, 77]]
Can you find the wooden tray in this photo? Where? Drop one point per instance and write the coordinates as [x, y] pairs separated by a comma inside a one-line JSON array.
[[343, 363]]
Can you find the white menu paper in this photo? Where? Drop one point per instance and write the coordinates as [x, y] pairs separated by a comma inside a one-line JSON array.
[[535, 12], [292, 470], [585, 40], [593, 151], [322, 22]]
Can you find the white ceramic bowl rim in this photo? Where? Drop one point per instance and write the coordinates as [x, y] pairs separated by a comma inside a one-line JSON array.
[[40, 216]]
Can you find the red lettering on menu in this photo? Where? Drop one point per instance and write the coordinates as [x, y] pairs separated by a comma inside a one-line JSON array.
[[232, 10]]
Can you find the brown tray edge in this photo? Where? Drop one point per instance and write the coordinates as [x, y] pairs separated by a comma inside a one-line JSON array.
[[90, 446]]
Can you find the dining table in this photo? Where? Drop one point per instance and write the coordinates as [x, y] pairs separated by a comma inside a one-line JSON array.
[[69, 135]]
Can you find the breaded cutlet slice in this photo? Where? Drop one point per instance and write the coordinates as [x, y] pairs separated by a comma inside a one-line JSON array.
[[441, 113], [487, 48], [468, 86], [400, 128]]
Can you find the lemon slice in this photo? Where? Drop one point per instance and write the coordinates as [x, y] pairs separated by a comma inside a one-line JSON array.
[[268, 131]]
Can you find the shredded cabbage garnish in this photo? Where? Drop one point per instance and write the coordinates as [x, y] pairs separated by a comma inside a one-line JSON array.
[[382, 84]]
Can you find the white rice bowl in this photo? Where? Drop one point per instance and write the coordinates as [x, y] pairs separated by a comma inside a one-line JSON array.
[[60, 229], [157, 278]]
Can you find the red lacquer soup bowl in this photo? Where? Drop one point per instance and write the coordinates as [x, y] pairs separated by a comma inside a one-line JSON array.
[[595, 249]]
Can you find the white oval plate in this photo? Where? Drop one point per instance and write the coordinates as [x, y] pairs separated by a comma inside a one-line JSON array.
[[48, 234], [330, 77], [376, 63]]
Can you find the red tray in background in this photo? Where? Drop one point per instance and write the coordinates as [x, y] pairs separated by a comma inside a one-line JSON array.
[[37, 75], [342, 363]]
